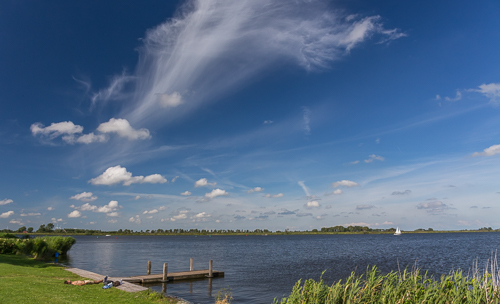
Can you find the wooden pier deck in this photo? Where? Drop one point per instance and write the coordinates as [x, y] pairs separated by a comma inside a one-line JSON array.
[[174, 276], [126, 286]]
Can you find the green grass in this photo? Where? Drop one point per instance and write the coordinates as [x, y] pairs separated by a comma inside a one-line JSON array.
[[24, 280], [405, 288]]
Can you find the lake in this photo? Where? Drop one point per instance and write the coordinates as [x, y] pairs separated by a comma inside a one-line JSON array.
[[261, 268]]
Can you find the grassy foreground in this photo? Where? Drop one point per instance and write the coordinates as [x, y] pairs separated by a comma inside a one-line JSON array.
[[24, 280], [406, 287]]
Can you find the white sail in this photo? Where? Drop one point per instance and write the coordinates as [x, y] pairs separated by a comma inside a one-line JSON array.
[[398, 232]]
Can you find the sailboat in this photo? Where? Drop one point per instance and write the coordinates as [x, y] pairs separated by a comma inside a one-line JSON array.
[[398, 232]]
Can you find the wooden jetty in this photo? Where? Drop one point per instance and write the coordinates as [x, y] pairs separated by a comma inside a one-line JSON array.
[[154, 278]]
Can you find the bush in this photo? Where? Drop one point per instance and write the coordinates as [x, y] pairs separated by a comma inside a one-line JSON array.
[[39, 248], [7, 236]]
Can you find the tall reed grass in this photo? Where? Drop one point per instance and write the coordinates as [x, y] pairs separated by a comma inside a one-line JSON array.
[[408, 286]]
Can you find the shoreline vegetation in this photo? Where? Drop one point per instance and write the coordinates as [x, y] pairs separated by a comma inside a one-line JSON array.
[[401, 287], [52, 230]]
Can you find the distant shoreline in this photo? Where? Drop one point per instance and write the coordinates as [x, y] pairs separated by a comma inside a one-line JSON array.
[[103, 234]]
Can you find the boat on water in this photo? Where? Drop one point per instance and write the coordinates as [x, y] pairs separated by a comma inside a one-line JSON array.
[[398, 232], [108, 235]]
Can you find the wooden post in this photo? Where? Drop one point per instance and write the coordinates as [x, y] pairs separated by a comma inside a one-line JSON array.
[[191, 264], [210, 269], [149, 268], [165, 271]]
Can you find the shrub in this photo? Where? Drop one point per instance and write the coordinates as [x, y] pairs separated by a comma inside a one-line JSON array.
[[8, 246], [60, 244], [7, 236], [39, 247]]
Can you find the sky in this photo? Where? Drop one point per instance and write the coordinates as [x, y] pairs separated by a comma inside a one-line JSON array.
[[252, 114]]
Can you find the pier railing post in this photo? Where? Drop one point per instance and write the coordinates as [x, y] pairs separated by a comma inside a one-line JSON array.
[[191, 264], [210, 269], [149, 268], [165, 271]]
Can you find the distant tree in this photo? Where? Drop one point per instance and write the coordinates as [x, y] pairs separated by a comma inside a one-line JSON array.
[[430, 229], [21, 229], [30, 229], [49, 227], [41, 229], [315, 230]]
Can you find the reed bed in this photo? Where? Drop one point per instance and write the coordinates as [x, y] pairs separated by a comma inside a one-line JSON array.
[[39, 247], [408, 286]]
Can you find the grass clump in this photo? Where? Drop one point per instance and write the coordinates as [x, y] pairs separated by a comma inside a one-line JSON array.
[[224, 296], [398, 287]]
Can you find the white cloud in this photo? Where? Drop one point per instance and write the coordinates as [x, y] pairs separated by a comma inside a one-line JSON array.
[[6, 214], [85, 207], [456, 98], [495, 149], [6, 201], [203, 182], [274, 195], [201, 215], [387, 223], [87, 138], [56, 129], [256, 189], [312, 204], [118, 174], [354, 162], [186, 193], [84, 196], [170, 101], [114, 91], [491, 90], [122, 128], [306, 190], [174, 179], [178, 217], [15, 222], [113, 221], [135, 219], [151, 211], [264, 34], [113, 214], [374, 157], [54, 220], [337, 192], [137, 197], [162, 208], [433, 207], [30, 214], [268, 122], [345, 183], [110, 207], [215, 193], [50, 208], [75, 213]]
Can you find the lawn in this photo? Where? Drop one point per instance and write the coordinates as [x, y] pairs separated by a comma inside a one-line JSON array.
[[25, 280]]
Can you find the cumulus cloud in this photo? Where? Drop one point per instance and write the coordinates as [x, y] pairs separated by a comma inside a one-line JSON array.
[[312, 204], [274, 195], [363, 207], [186, 193], [285, 211], [6, 201], [491, 91], [492, 150], [200, 216], [6, 214], [406, 192], [123, 128], [15, 222], [118, 174], [150, 211], [387, 223], [84, 196], [31, 214], [345, 183], [86, 138], [55, 129], [110, 207], [203, 182], [373, 157], [309, 34], [215, 193], [75, 213], [135, 219], [256, 189], [170, 100], [181, 215], [50, 208]]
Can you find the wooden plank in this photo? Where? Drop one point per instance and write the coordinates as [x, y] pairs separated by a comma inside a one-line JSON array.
[[175, 276], [126, 286]]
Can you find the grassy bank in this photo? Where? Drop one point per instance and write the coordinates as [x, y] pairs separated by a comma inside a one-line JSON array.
[[24, 280], [406, 287]]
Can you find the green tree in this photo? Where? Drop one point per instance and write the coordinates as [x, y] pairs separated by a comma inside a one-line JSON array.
[[21, 229], [49, 227], [30, 229]]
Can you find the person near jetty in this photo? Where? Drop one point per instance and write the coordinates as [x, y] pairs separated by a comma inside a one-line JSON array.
[[84, 282]]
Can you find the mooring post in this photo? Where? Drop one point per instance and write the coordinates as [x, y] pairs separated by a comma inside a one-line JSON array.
[[210, 269], [149, 268], [165, 271], [191, 264]]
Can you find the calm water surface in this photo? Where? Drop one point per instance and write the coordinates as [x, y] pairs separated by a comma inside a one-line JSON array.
[[261, 268]]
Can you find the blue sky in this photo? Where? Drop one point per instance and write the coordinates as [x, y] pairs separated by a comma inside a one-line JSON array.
[[250, 114]]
